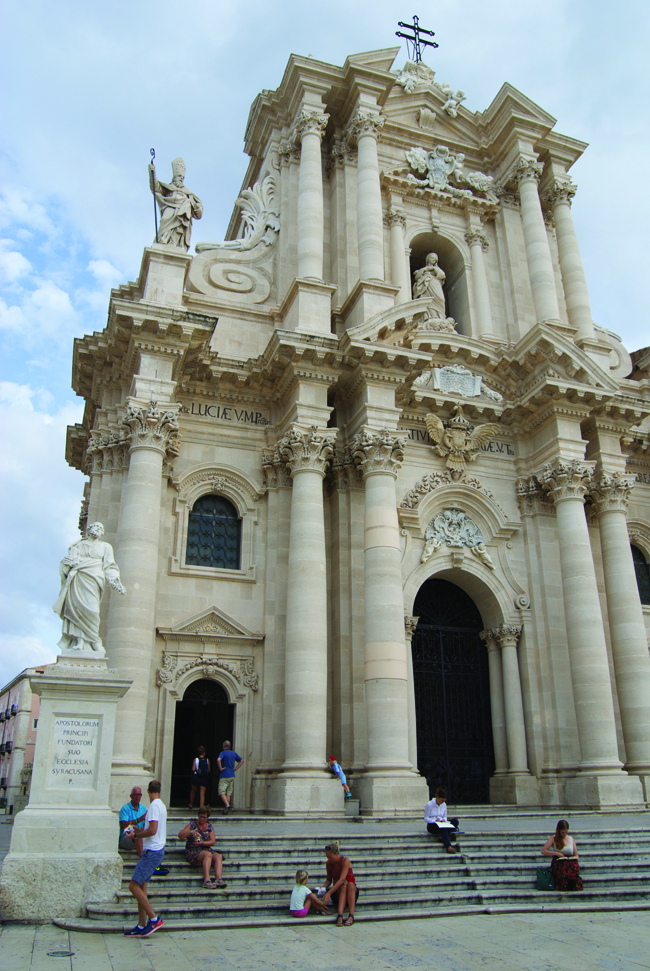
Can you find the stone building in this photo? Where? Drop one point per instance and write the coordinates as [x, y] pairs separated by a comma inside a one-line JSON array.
[[369, 501], [19, 708]]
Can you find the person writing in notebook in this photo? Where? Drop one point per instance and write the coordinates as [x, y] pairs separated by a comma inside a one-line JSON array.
[[435, 816]]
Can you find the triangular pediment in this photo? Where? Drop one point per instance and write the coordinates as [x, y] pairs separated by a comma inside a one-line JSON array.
[[212, 622]]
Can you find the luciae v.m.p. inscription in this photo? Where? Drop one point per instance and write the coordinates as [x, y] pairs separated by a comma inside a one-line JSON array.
[[74, 752]]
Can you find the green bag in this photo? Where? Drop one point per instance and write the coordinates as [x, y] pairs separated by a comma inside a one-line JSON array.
[[545, 878]]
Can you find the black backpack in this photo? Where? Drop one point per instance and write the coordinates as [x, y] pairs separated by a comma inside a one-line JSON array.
[[203, 770]]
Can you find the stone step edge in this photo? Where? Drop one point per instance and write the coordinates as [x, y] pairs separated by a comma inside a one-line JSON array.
[[84, 924]]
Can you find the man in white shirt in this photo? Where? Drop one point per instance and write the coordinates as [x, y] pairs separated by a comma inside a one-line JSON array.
[[153, 838], [435, 812]]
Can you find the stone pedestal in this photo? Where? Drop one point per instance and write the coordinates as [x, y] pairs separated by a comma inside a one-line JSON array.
[[597, 791], [306, 793], [63, 851], [163, 274], [307, 307], [514, 789]]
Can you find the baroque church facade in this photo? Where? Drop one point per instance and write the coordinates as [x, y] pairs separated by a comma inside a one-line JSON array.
[[377, 484]]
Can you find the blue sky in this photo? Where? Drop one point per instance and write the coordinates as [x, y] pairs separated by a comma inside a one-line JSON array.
[[89, 87]]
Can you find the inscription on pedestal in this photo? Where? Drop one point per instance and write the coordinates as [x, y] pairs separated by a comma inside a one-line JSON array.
[[74, 754]]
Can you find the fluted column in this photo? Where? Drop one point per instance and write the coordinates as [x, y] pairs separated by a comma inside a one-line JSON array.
[[308, 131], [131, 619], [538, 253], [307, 455], [497, 708], [410, 624], [370, 232], [478, 245], [396, 222], [567, 484], [627, 629], [380, 455], [574, 281]]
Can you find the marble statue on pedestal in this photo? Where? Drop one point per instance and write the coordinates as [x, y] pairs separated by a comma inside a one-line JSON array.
[[85, 569], [178, 207], [428, 283]]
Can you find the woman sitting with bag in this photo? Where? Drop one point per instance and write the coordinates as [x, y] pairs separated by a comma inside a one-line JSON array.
[[199, 849], [565, 867]]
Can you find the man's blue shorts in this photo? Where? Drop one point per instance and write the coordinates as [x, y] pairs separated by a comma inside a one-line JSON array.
[[148, 862]]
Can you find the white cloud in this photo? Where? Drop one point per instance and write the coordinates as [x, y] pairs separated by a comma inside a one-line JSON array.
[[38, 521], [13, 264]]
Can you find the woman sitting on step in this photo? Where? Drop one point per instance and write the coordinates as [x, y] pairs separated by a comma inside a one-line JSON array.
[[565, 868], [344, 888], [199, 850]]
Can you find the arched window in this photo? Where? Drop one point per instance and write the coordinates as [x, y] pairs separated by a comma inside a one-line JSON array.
[[213, 534], [642, 574]]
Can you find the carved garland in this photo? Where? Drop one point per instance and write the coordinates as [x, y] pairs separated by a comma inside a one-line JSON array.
[[434, 480], [242, 670]]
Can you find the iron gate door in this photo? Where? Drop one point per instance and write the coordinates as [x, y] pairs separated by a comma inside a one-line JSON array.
[[452, 694]]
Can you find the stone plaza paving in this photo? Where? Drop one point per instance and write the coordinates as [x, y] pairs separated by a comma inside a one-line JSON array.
[[537, 942]]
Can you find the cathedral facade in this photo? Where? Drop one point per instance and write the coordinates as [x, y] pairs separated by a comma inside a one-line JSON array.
[[376, 483]]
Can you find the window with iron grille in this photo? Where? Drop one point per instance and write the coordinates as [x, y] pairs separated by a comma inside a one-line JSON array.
[[213, 534], [642, 574]]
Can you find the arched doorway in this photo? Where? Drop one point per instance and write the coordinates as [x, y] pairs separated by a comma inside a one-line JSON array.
[[452, 693], [203, 717]]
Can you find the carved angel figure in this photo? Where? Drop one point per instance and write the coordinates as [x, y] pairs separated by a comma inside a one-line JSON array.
[[453, 101], [458, 442]]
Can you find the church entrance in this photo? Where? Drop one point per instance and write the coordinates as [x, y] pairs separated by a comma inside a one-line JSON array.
[[204, 717], [452, 694]]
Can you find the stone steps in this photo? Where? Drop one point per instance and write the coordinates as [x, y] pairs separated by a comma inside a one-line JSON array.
[[400, 876]]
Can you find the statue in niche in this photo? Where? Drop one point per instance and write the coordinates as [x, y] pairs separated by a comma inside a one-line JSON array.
[[85, 569], [178, 207], [428, 282]]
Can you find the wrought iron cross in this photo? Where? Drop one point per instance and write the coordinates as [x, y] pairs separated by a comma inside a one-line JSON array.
[[414, 39]]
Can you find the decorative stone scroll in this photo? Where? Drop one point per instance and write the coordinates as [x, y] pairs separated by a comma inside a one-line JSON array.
[[453, 528], [151, 428], [377, 452], [260, 217], [306, 450], [455, 379]]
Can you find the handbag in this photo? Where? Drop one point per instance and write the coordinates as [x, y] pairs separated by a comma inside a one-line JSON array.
[[545, 878]]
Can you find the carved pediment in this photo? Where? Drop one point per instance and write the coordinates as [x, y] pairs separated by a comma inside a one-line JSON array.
[[211, 624]]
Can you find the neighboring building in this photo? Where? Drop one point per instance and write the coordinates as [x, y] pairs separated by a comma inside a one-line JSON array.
[[396, 523], [18, 728]]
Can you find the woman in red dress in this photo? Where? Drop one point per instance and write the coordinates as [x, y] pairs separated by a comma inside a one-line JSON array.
[[565, 867], [344, 888]]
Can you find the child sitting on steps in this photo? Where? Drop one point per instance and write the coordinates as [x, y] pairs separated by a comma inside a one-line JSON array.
[[302, 898]]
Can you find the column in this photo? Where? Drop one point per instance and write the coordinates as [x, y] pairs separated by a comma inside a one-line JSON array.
[[370, 229], [309, 130], [131, 619], [478, 245], [567, 484], [307, 455], [507, 637], [573, 275], [538, 253], [400, 277], [499, 737], [380, 455], [410, 624], [626, 624]]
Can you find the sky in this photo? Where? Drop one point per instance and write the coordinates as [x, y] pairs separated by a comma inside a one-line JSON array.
[[88, 88]]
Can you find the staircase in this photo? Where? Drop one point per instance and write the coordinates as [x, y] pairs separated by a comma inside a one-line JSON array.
[[400, 876]]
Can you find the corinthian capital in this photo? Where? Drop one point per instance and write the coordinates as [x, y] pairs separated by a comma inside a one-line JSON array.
[[364, 123], [612, 491], [410, 624], [306, 450], [151, 428], [377, 452], [393, 217], [477, 236], [310, 122], [565, 480], [527, 170], [502, 636], [560, 191]]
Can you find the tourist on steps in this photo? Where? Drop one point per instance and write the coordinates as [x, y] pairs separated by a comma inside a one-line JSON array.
[[435, 816], [199, 851], [153, 836], [344, 887], [565, 867], [228, 763], [302, 898], [200, 777]]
